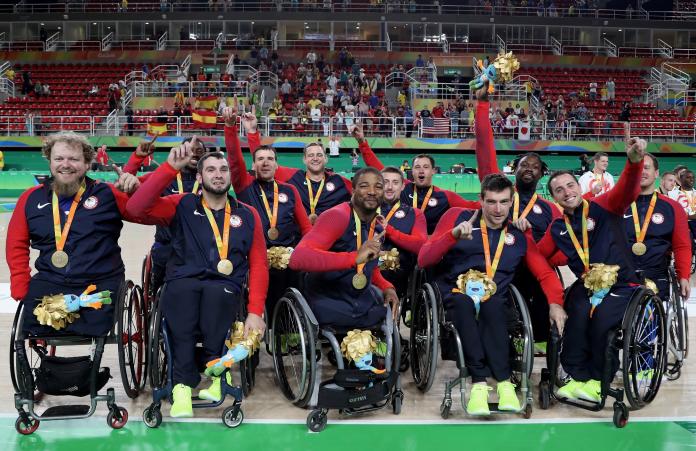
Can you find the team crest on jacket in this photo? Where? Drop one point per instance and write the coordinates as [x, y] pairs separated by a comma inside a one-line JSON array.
[[590, 224], [509, 239], [432, 202], [282, 198], [658, 218], [399, 214], [91, 202], [330, 186], [537, 209], [235, 221]]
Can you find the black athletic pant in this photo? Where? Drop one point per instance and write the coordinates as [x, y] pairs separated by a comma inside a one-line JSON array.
[[196, 308]]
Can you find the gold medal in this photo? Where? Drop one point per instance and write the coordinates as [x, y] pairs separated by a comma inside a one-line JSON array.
[[312, 218], [359, 281], [273, 233], [639, 249], [225, 267], [59, 259]]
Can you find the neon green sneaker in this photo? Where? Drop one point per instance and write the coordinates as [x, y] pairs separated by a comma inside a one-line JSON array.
[[288, 341], [182, 406], [540, 347], [507, 398], [590, 391], [478, 400], [381, 349], [214, 392], [645, 375], [570, 389]]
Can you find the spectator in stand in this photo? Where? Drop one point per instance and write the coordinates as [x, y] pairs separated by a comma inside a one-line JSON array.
[[608, 123], [124, 5], [560, 103], [285, 90], [611, 89], [311, 57], [334, 146], [43, 35], [27, 86], [420, 62], [439, 110], [401, 98], [38, 89], [593, 90], [625, 115], [46, 90]]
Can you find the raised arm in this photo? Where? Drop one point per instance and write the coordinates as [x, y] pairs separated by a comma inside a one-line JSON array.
[[681, 241], [540, 268], [258, 268], [441, 241], [301, 218], [455, 200], [135, 161], [411, 242], [17, 248], [618, 199], [486, 158], [250, 124], [241, 179]]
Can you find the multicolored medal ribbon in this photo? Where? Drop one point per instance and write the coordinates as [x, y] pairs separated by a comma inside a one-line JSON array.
[[639, 248], [60, 258], [273, 232], [516, 210], [224, 266], [313, 200], [360, 279], [424, 205], [180, 185]]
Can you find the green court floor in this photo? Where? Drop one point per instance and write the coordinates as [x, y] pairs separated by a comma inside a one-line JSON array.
[[94, 435]]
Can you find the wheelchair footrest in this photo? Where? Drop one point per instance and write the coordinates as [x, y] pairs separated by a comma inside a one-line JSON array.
[[66, 411]]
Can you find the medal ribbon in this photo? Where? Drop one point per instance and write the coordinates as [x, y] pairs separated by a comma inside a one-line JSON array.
[[584, 251], [396, 206], [358, 236], [62, 235], [221, 243], [525, 212], [314, 200], [424, 205], [491, 268], [642, 230], [272, 215], [180, 185]]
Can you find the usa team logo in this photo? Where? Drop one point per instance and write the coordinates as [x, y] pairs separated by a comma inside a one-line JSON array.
[[509, 239], [537, 209], [282, 198], [590, 224], [658, 218], [91, 203], [432, 202], [330, 186], [400, 214], [235, 221]]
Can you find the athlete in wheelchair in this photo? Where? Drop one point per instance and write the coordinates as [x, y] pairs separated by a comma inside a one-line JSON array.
[[472, 307], [346, 303], [204, 285]]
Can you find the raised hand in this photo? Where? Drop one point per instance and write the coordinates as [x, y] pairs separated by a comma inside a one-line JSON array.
[[127, 183], [357, 132], [464, 230], [482, 92], [249, 121], [180, 156], [635, 147], [145, 149]]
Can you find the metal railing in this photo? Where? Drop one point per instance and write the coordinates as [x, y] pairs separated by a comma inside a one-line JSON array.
[[77, 46], [557, 46], [162, 41], [675, 131], [610, 48], [169, 88], [472, 47], [52, 42], [666, 50], [500, 42], [106, 42]]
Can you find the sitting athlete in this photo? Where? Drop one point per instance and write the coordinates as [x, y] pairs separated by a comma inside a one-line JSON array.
[[185, 182], [216, 242], [476, 254], [319, 188], [420, 194], [656, 226], [340, 254], [590, 234], [74, 222], [285, 220]]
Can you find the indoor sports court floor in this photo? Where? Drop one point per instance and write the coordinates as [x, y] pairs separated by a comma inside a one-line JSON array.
[[271, 422]]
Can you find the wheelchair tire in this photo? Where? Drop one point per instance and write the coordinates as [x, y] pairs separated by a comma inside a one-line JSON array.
[[293, 345], [152, 416], [424, 339], [22, 376], [521, 332], [131, 340], [544, 395], [232, 416], [113, 421], [157, 360], [317, 420], [620, 415], [644, 348], [26, 427], [247, 370]]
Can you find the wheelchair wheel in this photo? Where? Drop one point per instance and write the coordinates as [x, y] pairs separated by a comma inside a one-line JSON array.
[[293, 344], [424, 337], [131, 338], [247, 370], [157, 352], [644, 348], [21, 369], [678, 330], [521, 338]]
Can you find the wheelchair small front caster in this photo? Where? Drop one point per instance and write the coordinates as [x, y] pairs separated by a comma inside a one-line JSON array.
[[620, 414], [316, 420]]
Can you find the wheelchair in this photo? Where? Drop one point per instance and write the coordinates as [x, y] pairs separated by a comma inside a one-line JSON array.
[[160, 356], [430, 329], [642, 340], [33, 358], [296, 341], [678, 329]]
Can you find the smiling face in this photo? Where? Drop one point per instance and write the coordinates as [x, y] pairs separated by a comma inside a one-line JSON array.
[[315, 159], [649, 174], [529, 171], [368, 192], [423, 172], [393, 185], [566, 191], [68, 167], [214, 176], [198, 152], [668, 182], [601, 164], [265, 164]]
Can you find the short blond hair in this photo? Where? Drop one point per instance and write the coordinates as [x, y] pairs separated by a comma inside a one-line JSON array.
[[70, 138]]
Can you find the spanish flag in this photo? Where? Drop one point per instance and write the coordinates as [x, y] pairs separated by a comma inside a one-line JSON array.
[[156, 128], [205, 119], [207, 103]]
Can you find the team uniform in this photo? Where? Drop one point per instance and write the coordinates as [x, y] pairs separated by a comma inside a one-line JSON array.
[[586, 336], [589, 179], [91, 245], [317, 197], [328, 255], [200, 298], [432, 201], [485, 341], [283, 217]]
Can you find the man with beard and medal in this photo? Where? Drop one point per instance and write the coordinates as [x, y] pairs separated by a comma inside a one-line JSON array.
[[474, 255], [283, 217], [319, 188], [420, 194], [185, 182], [74, 222], [656, 227], [592, 239], [340, 255], [217, 242], [527, 207]]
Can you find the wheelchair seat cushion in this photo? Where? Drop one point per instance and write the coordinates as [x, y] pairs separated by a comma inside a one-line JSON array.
[[63, 376], [353, 378]]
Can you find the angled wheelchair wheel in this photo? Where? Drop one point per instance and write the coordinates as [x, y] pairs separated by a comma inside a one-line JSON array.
[[521, 338], [644, 348], [131, 340], [293, 344], [424, 336], [21, 372], [156, 347], [247, 370], [678, 329]]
